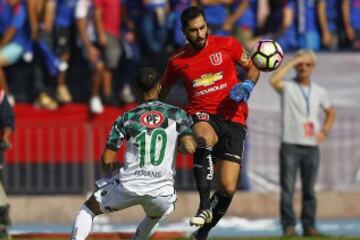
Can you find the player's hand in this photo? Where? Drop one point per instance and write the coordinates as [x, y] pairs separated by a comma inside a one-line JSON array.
[[241, 91]]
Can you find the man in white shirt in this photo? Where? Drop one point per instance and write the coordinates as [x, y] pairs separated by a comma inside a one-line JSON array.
[[301, 102]]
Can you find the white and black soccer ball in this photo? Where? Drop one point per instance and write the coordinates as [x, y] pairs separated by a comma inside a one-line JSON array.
[[267, 55]]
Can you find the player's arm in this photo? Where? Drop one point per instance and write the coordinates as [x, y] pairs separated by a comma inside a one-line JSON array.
[[241, 91], [345, 10], [108, 163], [187, 144], [167, 81]]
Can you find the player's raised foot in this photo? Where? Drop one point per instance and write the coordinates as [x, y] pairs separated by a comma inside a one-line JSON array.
[[201, 217]]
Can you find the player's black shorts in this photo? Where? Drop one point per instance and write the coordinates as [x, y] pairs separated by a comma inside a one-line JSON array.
[[231, 136]]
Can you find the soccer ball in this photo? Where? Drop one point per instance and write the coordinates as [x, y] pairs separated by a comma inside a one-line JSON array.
[[267, 55]]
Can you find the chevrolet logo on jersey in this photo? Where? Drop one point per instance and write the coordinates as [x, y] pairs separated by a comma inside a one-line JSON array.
[[207, 79]]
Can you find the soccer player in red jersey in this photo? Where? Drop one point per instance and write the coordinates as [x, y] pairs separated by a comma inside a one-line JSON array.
[[217, 104]]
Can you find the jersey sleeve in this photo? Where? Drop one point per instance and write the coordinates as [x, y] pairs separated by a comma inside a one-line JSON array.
[[116, 135], [183, 123], [236, 50], [19, 16], [169, 77]]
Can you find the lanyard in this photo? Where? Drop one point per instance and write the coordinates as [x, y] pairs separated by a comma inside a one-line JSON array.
[[306, 98]]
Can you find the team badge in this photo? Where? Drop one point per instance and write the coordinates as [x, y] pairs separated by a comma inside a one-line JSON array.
[[202, 116], [152, 119], [216, 58]]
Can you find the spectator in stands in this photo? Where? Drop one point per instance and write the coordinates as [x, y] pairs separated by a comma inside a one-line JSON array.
[[14, 37], [177, 6], [40, 26], [87, 34], [154, 25], [6, 129], [309, 36], [329, 21], [108, 23], [216, 14], [351, 19], [280, 24], [132, 55], [242, 20], [302, 132], [62, 33]]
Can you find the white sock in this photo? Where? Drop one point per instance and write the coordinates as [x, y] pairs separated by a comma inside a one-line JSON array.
[[146, 228], [82, 225]]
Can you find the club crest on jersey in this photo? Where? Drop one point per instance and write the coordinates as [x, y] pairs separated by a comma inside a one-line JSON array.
[[152, 119], [216, 58]]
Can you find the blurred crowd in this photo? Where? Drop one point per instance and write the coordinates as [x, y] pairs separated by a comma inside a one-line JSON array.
[[46, 34]]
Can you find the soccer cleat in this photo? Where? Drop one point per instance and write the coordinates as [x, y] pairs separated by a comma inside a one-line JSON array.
[[201, 217]]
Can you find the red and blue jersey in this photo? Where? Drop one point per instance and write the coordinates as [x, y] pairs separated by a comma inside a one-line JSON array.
[[16, 17], [208, 76]]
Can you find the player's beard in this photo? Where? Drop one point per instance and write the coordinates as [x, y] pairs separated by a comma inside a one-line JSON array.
[[198, 43]]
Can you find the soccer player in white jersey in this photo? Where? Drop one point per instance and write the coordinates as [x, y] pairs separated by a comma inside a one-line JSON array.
[[153, 132]]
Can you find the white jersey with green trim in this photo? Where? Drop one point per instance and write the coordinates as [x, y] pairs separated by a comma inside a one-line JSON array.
[[151, 132]]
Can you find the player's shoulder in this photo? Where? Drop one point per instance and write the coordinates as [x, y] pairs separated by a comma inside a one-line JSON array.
[[223, 40], [179, 54]]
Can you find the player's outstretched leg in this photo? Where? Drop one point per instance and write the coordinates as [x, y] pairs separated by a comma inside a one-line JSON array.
[[203, 173], [84, 219], [82, 225], [220, 202], [146, 228]]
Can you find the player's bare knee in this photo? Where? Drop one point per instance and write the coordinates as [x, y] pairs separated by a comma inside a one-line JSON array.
[[204, 134], [227, 188], [93, 205]]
